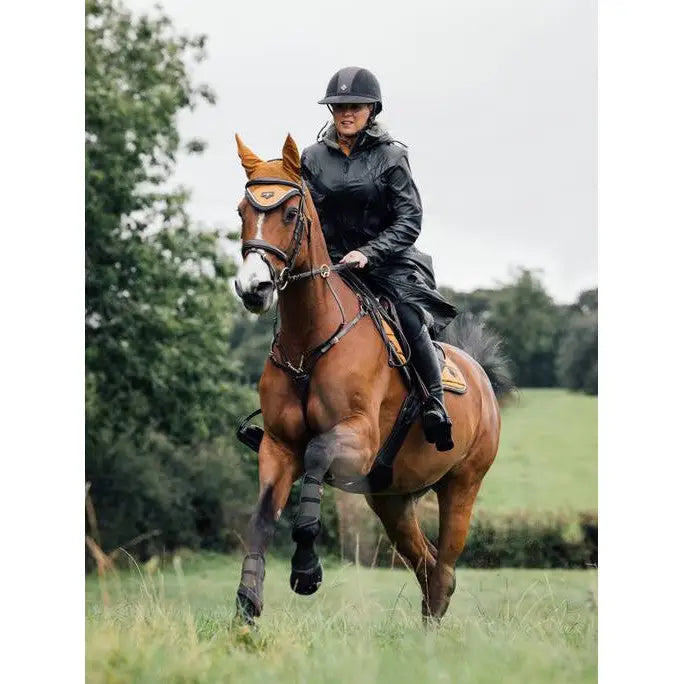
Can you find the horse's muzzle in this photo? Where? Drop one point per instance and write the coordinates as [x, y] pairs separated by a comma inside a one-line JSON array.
[[258, 297]]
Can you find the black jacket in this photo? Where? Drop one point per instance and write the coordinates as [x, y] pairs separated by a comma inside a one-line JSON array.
[[369, 202]]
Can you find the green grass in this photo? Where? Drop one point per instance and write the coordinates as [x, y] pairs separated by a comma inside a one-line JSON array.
[[362, 626], [547, 458]]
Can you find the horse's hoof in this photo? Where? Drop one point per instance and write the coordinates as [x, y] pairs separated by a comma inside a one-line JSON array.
[[306, 582], [245, 611]]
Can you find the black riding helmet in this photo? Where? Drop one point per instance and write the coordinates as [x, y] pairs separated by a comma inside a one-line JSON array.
[[353, 84]]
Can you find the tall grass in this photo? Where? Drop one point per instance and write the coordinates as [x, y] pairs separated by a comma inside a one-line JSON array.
[[173, 623]]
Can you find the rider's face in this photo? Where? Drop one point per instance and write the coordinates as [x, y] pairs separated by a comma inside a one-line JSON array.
[[350, 118]]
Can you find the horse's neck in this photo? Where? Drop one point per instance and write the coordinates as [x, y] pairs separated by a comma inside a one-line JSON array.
[[308, 310]]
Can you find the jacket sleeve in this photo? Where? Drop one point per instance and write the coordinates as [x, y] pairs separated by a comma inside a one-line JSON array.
[[404, 201], [316, 196]]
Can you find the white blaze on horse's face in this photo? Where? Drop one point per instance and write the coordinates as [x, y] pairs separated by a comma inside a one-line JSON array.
[[253, 280]]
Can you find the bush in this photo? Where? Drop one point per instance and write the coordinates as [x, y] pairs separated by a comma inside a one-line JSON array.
[[163, 497], [521, 541], [173, 496], [516, 541], [577, 361]]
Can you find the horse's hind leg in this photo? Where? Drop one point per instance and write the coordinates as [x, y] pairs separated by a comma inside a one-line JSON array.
[[456, 496], [398, 515]]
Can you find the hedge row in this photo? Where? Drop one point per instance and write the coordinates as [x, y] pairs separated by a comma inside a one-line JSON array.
[[154, 497], [521, 540]]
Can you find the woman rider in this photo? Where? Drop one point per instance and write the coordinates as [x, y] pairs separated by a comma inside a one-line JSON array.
[[370, 211]]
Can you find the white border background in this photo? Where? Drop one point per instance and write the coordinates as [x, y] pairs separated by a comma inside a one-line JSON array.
[[641, 192]]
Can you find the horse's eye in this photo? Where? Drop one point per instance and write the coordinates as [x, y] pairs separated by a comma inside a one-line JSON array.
[[290, 214]]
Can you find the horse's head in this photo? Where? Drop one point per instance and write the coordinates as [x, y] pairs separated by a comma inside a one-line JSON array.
[[274, 222]]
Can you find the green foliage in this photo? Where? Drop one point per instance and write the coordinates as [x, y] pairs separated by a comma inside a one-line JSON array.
[[523, 541], [477, 302], [250, 341], [577, 361], [161, 385], [549, 344], [513, 540], [527, 320], [172, 496]]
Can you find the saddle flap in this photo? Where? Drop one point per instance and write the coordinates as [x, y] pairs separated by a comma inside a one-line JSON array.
[[452, 377], [395, 342]]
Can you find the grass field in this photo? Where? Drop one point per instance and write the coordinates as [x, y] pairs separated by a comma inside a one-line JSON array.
[[548, 455], [362, 626]]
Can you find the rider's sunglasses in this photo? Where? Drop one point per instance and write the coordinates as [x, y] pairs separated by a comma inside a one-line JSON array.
[[354, 107]]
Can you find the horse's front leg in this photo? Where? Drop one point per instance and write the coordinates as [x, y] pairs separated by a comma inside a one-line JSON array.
[[347, 442], [278, 469]]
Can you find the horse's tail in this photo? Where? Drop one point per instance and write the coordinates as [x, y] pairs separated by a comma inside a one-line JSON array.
[[470, 334]]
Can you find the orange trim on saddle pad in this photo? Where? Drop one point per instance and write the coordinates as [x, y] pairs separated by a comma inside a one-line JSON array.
[[452, 377]]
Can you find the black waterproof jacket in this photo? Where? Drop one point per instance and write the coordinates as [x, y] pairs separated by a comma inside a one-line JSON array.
[[369, 202]]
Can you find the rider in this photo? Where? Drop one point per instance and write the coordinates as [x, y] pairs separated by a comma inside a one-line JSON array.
[[370, 211]]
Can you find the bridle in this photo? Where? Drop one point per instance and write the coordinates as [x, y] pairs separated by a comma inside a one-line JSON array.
[[280, 280], [260, 200]]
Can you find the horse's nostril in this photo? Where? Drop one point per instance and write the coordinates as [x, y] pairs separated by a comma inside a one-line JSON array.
[[263, 288], [238, 289]]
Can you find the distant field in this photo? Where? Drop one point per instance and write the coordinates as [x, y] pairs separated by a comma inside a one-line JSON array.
[[548, 455], [362, 626]]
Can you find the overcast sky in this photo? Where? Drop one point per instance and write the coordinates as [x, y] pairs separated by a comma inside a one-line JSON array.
[[496, 101]]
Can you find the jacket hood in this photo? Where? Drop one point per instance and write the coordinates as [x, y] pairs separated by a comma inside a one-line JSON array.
[[375, 133]]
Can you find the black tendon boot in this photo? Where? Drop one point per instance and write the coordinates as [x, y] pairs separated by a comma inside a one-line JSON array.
[[436, 422]]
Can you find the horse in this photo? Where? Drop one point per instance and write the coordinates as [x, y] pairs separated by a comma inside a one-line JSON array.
[[329, 399]]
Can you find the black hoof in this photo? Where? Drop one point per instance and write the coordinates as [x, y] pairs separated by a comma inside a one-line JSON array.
[[245, 611], [306, 582]]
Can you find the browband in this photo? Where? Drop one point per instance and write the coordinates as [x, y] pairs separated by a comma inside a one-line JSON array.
[[265, 194]]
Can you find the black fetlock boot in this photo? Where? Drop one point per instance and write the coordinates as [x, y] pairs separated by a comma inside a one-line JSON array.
[[436, 422]]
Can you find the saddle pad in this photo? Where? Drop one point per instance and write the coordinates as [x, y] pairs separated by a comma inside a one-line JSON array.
[[452, 378]]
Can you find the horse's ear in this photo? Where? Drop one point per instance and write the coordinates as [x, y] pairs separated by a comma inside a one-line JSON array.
[[249, 160], [291, 162]]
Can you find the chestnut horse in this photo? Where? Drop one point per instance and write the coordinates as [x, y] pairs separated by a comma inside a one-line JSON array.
[[333, 423]]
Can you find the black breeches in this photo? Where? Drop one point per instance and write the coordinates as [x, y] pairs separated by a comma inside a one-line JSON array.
[[410, 320]]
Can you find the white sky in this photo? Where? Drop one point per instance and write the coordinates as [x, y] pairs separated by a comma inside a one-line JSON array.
[[496, 101]]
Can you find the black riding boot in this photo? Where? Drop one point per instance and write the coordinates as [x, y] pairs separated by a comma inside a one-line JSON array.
[[436, 422]]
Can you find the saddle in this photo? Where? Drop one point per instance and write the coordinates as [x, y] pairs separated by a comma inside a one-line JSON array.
[[384, 315], [452, 377]]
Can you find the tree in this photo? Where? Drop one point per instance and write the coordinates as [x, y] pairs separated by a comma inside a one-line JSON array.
[[478, 302], [160, 380], [528, 321], [577, 362]]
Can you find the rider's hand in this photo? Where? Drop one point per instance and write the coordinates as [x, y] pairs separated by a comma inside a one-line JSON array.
[[355, 257]]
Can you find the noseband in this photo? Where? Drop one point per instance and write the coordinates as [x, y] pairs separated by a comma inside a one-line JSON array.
[[269, 199]]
